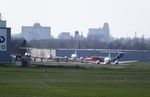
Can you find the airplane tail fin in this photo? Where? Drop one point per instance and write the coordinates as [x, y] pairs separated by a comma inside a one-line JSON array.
[[75, 52], [120, 55]]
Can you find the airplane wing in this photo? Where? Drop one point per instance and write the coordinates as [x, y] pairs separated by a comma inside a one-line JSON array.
[[123, 62], [75, 60]]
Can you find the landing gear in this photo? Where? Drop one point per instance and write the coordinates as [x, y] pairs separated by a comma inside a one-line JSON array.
[[57, 59], [66, 59]]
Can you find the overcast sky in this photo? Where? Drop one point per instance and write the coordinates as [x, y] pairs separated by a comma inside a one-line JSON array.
[[125, 17]]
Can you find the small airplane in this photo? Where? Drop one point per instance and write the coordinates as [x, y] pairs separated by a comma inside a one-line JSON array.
[[108, 59], [73, 58]]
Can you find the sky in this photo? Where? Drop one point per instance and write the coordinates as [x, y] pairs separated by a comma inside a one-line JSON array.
[[125, 17]]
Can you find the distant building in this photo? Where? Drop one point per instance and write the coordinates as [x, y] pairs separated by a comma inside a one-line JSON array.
[[101, 34], [2, 23], [64, 35], [5, 41], [77, 36], [36, 32]]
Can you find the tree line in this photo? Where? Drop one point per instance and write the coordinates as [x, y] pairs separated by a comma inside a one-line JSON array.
[[114, 43]]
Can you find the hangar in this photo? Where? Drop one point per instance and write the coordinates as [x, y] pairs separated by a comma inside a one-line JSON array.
[[5, 41]]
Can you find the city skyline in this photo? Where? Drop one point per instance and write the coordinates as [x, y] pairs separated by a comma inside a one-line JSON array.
[[125, 17]]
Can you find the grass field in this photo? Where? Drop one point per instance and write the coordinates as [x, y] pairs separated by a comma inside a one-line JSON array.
[[131, 81]]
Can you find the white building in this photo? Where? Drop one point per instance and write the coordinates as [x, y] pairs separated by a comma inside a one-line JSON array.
[[101, 34], [36, 32], [64, 35]]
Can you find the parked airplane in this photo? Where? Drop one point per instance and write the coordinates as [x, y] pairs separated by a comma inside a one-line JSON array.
[[74, 58], [108, 59]]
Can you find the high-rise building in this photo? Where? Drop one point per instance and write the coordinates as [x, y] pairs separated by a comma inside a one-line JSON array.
[[64, 35], [5, 41], [101, 34], [36, 32]]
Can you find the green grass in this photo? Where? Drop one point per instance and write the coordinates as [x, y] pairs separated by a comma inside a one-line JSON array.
[[75, 82]]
